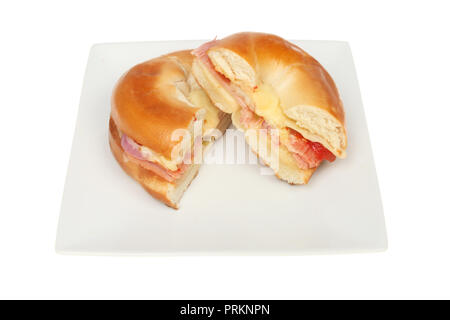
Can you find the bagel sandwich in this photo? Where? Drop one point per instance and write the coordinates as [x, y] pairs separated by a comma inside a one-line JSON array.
[[268, 83], [159, 116]]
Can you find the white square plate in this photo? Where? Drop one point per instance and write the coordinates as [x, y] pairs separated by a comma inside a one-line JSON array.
[[228, 209]]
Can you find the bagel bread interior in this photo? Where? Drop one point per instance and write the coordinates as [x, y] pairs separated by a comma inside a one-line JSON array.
[[284, 87]]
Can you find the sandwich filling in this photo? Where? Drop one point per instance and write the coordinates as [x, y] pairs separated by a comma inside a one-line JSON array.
[[306, 153], [137, 153], [169, 169], [264, 112]]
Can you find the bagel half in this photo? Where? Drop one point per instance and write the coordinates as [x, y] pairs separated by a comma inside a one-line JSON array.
[[150, 104], [285, 88]]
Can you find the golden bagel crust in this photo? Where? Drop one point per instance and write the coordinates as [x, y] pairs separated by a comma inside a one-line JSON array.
[[257, 63], [150, 102], [146, 105]]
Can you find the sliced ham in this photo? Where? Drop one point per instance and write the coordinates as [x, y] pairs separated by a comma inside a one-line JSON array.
[[131, 149], [249, 119]]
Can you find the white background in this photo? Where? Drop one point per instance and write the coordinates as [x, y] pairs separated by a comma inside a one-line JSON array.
[[402, 55]]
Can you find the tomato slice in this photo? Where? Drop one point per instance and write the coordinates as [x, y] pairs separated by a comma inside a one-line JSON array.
[[308, 154]]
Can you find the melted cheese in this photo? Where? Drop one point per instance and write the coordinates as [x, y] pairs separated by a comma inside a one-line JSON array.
[[199, 98], [158, 158], [267, 105]]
